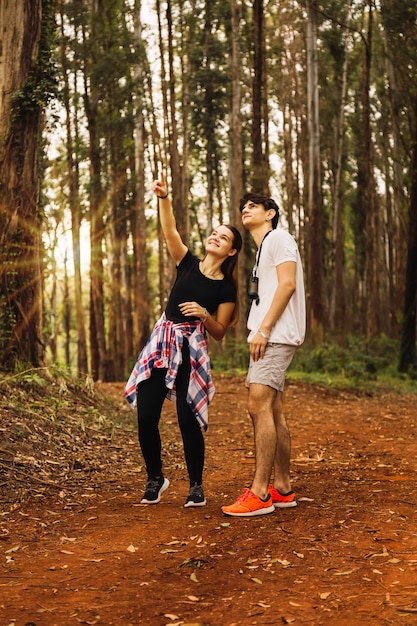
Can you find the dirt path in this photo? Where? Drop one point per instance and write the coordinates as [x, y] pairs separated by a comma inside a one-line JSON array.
[[82, 550]]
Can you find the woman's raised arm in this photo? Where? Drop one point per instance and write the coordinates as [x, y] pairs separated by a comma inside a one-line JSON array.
[[176, 246]]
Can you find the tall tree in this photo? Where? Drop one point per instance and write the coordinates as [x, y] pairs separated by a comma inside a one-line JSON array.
[[371, 220], [314, 198], [71, 105], [26, 84], [236, 153], [337, 293], [140, 280], [93, 38], [260, 156], [399, 20]]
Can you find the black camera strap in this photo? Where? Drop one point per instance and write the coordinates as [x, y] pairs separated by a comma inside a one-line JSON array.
[[258, 255], [253, 289]]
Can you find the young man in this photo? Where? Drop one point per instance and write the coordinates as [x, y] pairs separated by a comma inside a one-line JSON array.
[[276, 322]]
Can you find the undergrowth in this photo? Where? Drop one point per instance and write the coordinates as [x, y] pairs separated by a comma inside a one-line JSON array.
[[355, 364]]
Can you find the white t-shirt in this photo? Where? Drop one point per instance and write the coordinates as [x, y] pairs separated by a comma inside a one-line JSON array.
[[278, 247]]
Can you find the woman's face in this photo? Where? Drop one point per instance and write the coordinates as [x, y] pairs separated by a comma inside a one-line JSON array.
[[221, 242]]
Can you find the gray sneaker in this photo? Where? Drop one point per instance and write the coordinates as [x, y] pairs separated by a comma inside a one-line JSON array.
[[153, 490], [195, 496]]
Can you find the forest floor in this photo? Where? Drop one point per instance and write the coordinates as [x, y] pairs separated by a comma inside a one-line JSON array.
[[77, 547]]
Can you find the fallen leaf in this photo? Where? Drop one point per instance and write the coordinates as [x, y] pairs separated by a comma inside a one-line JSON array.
[[257, 581], [325, 595], [171, 616], [194, 578], [132, 548], [193, 598], [71, 539], [168, 551]]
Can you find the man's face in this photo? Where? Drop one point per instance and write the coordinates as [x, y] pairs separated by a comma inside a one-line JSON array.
[[255, 215]]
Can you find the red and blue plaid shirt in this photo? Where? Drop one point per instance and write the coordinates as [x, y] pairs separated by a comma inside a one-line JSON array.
[[164, 350]]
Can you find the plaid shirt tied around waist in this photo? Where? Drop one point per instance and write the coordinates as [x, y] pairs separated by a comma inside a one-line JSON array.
[[164, 350]]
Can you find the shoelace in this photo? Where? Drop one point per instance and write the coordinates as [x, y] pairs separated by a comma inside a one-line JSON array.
[[245, 495], [195, 490], [152, 485]]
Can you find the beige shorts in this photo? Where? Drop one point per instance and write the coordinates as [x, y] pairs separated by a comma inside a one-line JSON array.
[[271, 369]]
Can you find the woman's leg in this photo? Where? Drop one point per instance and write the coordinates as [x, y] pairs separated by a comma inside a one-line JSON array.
[[151, 394], [192, 435]]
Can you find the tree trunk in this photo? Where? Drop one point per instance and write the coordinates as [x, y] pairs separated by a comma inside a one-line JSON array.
[[97, 329], [408, 357], [260, 178], [236, 160], [179, 201], [21, 337], [371, 222], [315, 235], [71, 124], [337, 312], [141, 317]]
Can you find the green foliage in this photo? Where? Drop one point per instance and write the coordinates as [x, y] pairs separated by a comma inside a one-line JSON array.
[[352, 364], [229, 355], [41, 85]]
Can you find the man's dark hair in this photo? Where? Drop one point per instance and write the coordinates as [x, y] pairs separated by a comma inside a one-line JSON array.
[[266, 201]]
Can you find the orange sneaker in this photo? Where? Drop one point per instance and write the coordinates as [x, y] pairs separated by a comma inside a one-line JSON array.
[[281, 501], [248, 504]]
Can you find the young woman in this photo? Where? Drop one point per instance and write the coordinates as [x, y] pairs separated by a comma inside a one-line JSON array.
[[175, 361]]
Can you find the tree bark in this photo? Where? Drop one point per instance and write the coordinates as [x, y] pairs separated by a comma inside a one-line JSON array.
[[21, 335], [337, 310], [315, 226], [72, 139], [236, 160], [260, 168], [91, 99], [408, 357], [371, 222]]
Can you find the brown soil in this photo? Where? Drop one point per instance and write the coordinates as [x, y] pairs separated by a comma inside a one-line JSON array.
[[79, 548]]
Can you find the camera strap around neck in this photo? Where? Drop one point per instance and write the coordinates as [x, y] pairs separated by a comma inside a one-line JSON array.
[[258, 255]]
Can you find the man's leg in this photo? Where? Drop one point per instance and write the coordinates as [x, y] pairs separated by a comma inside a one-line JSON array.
[[283, 447], [261, 409]]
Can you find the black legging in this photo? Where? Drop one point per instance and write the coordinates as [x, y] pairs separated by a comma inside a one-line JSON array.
[[151, 394]]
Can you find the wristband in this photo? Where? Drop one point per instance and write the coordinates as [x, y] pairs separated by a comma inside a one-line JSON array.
[[205, 316], [263, 334], [163, 197]]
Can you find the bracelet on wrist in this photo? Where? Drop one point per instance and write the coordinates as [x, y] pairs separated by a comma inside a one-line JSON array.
[[264, 335], [163, 197], [204, 319]]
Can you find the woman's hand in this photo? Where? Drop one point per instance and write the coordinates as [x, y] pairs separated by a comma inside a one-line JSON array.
[[159, 187], [193, 309], [216, 323]]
